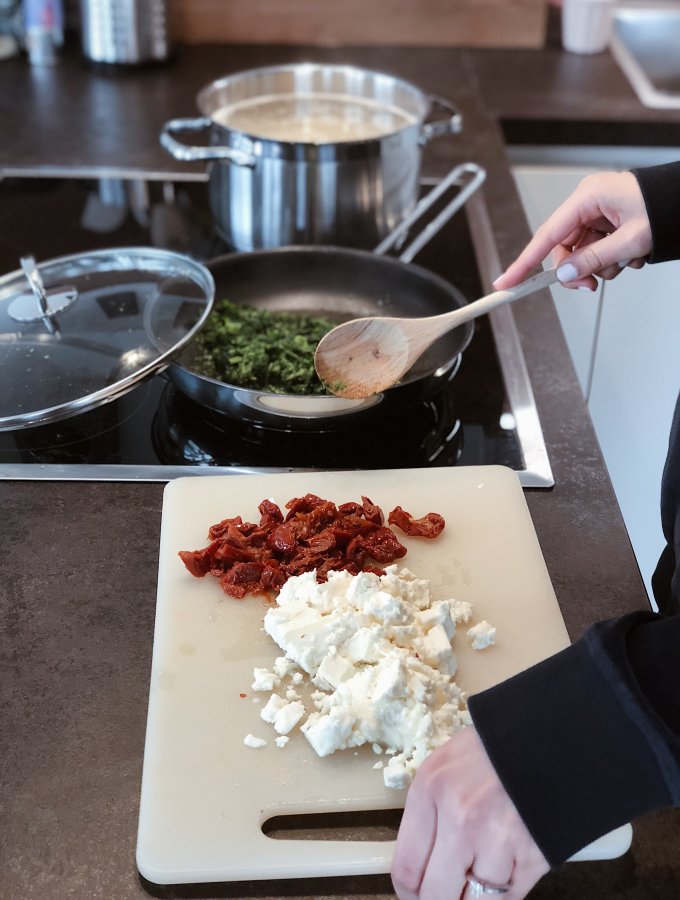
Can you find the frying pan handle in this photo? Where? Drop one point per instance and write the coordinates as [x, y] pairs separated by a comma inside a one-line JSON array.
[[469, 175], [451, 125], [192, 154]]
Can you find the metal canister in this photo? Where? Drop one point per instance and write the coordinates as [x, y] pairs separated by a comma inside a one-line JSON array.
[[43, 30], [128, 33]]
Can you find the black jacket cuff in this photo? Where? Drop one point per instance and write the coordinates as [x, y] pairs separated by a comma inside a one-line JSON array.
[[660, 186], [570, 744]]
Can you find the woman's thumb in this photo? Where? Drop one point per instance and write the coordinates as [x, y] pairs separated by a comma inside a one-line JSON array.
[[615, 249]]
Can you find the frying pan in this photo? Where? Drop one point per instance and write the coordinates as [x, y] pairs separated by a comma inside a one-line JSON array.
[[339, 284]]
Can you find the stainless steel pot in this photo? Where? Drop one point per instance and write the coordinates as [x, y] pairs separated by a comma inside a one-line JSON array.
[[272, 193]]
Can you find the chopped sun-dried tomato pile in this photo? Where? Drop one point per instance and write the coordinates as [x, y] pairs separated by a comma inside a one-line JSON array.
[[315, 534]]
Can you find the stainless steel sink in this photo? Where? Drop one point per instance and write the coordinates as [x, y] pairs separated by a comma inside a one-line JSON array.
[[646, 44]]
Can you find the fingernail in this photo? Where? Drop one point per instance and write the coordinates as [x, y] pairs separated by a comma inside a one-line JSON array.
[[624, 263], [495, 283], [567, 272], [584, 287]]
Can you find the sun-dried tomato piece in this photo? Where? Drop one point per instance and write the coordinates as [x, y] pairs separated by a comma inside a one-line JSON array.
[[282, 539], [429, 526], [307, 524], [270, 514], [221, 528], [199, 562], [242, 579], [273, 577], [382, 545], [372, 512], [303, 504], [314, 535], [226, 555], [322, 542], [351, 509]]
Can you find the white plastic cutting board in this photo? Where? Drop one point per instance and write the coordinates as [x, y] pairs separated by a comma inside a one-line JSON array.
[[204, 793]]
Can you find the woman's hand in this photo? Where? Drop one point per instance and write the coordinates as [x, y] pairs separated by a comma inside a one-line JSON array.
[[599, 230], [458, 820]]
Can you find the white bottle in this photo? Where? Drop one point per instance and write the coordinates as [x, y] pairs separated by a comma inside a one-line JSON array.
[[43, 30]]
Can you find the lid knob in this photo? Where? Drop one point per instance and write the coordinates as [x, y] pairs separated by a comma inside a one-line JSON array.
[[49, 302]]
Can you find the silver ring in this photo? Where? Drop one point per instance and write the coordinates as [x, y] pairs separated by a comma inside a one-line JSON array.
[[477, 888]]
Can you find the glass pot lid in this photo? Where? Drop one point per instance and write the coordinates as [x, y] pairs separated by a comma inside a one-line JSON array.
[[79, 331]]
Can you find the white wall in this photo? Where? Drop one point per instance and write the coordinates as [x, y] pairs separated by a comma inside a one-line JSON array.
[[625, 342]]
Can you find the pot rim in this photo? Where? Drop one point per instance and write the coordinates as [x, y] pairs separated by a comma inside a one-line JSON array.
[[262, 146]]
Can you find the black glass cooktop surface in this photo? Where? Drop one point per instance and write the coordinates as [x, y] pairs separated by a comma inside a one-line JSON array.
[[156, 432]]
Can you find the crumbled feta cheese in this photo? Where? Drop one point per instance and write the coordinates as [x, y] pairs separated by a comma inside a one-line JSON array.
[[281, 740], [396, 773], [333, 669], [483, 635], [378, 650], [251, 741], [329, 732], [288, 717], [461, 611], [438, 614], [264, 680], [284, 666], [271, 708], [435, 647], [363, 645]]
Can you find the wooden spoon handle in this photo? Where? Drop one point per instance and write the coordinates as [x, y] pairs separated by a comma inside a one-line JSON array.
[[529, 286], [435, 326]]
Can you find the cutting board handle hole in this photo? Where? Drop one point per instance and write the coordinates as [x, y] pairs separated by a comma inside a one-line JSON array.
[[353, 825]]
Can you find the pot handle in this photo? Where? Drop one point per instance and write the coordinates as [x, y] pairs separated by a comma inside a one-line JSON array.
[[468, 176], [451, 125], [192, 154]]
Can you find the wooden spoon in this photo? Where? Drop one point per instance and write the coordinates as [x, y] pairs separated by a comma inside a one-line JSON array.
[[365, 356]]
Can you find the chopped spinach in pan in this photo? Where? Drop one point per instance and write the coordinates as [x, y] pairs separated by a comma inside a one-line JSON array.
[[261, 350]]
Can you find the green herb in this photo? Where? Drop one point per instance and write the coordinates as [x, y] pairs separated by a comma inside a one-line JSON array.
[[261, 350], [336, 387]]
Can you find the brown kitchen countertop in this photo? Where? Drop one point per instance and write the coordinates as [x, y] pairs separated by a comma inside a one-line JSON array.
[[79, 560]]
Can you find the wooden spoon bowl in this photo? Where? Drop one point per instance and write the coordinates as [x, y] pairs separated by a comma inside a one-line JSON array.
[[365, 356]]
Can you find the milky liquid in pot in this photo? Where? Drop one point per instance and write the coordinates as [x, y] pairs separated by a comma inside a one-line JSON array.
[[313, 118]]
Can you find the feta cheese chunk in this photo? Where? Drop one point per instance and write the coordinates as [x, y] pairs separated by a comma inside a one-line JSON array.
[[251, 741], [284, 666], [461, 611], [483, 635], [288, 716], [327, 733], [264, 680], [333, 669], [396, 773], [271, 708]]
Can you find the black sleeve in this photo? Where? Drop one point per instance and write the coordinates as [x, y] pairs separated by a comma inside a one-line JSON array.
[[589, 739], [660, 186]]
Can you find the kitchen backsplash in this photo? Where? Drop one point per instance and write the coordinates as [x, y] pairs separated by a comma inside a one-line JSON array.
[[473, 23]]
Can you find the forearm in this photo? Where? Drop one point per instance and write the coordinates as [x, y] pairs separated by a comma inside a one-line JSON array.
[[589, 739]]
